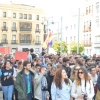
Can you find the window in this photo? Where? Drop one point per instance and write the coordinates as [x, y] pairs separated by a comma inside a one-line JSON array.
[[90, 37], [90, 26], [71, 27], [97, 21], [4, 38], [87, 11], [97, 7], [13, 37], [4, 25], [92, 8], [84, 27], [74, 26], [30, 16], [20, 16], [14, 26], [14, 15], [37, 39], [4, 14], [66, 39], [25, 16], [74, 38], [37, 17], [37, 27], [70, 39]]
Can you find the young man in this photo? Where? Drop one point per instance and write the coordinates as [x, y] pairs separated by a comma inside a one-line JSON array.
[[37, 68], [40, 86], [29, 57], [66, 66], [24, 82]]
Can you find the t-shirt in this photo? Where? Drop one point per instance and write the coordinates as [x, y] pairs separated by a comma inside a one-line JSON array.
[[28, 79], [7, 77]]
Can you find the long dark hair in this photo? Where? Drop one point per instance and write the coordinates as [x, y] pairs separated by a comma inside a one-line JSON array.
[[58, 78], [86, 76], [6, 63]]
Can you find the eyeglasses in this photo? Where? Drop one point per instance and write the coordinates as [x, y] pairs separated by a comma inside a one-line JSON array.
[[80, 72]]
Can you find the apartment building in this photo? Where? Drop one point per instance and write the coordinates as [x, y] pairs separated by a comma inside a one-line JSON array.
[[70, 29], [96, 47], [88, 27], [20, 26]]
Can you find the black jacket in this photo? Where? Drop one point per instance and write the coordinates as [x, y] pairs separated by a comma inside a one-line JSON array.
[[68, 70], [98, 81]]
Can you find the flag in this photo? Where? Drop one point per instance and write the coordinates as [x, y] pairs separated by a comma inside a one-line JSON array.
[[48, 41]]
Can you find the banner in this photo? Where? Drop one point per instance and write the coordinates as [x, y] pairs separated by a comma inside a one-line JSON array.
[[19, 55], [5, 50]]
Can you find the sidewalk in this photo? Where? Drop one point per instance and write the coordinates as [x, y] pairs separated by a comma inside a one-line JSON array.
[[1, 96]]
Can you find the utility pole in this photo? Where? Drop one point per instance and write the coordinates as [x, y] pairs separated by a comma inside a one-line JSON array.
[[61, 38], [58, 32], [78, 30]]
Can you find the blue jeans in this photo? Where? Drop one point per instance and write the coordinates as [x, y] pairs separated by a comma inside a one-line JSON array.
[[8, 92]]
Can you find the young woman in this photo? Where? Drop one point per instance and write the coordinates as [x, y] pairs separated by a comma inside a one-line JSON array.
[[7, 81], [82, 88], [74, 73], [61, 86]]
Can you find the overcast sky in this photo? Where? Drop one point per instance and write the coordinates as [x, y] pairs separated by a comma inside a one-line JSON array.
[[53, 7]]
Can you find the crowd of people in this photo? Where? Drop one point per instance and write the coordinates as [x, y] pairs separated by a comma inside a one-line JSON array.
[[50, 77]]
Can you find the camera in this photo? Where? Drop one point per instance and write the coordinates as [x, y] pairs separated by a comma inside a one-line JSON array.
[[44, 88], [85, 97]]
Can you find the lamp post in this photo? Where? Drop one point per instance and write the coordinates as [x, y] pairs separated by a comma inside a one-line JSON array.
[[78, 30], [61, 38]]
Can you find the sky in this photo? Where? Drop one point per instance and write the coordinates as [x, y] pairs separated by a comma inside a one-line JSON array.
[[53, 7]]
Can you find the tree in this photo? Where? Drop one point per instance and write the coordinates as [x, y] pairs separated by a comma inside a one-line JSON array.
[[57, 46], [73, 47]]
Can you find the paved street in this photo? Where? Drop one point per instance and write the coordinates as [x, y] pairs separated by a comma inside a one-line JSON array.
[[1, 95]]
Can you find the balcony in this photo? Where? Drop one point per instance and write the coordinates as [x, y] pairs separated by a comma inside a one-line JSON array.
[[37, 31], [25, 29], [14, 29], [87, 43], [25, 41], [37, 42], [14, 42], [4, 41], [4, 28]]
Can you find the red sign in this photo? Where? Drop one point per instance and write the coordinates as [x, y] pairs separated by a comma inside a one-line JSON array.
[[5, 50], [21, 55]]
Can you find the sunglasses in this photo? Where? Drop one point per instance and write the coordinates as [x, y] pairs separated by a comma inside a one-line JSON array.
[[80, 72]]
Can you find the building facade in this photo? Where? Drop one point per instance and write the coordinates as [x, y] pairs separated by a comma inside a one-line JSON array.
[[70, 29], [20, 26]]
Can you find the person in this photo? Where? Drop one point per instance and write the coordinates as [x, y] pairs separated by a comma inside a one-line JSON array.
[[7, 81], [74, 73], [41, 86], [98, 84], [59, 60], [50, 78], [24, 82], [32, 53], [29, 57], [82, 88], [94, 77], [66, 66], [18, 69], [37, 68], [61, 86]]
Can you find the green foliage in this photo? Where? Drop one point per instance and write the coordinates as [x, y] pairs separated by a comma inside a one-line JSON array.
[[73, 47], [56, 46]]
